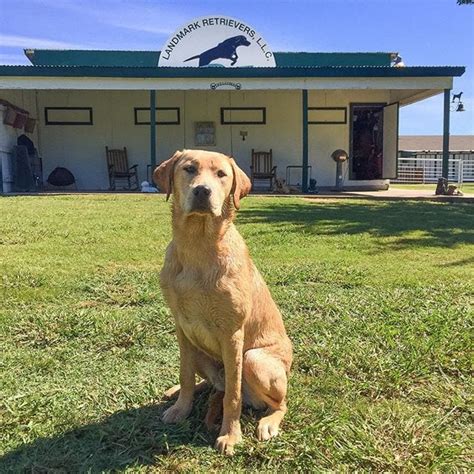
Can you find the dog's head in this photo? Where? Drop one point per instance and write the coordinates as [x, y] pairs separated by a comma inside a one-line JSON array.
[[202, 182], [241, 40], [279, 182]]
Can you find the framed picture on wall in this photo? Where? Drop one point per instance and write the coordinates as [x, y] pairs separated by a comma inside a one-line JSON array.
[[204, 133]]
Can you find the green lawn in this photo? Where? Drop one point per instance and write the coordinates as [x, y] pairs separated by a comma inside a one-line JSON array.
[[375, 296]]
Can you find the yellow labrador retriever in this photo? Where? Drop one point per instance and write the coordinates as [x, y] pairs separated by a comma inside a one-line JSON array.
[[229, 329]]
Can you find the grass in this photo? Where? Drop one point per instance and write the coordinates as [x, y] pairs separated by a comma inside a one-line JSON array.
[[466, 188], [375, 296]]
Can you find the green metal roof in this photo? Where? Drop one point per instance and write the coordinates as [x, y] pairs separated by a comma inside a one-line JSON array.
[[223, 72], [47, 57], [143, 64]]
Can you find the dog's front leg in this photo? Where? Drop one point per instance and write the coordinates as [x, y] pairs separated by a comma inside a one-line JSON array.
[[187, 379], [232, 356]]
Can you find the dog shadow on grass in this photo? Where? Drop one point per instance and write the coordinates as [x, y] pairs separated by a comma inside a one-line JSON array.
[[134, 437]]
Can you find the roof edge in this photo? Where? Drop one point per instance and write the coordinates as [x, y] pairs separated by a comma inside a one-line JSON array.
[[210, 72]]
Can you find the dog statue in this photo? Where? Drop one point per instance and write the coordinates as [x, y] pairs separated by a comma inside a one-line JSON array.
[[225, 50], [280, 187], [457, 96]]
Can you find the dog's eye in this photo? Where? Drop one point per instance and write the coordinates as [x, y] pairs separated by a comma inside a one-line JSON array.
[[221, 174], [190, 169]]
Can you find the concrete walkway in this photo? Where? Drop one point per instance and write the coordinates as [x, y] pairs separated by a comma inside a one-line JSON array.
[[400, 194], [393, 194]]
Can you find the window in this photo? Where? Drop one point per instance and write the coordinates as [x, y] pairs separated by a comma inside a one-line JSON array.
[[68, 116], [327, 115], [164, 115], [243, 115]]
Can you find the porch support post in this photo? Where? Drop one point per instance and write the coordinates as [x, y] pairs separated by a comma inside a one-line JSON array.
[[152, 132], [447, 99], [305, 141]]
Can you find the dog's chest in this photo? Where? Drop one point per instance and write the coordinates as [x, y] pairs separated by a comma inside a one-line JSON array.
[[204, 307]]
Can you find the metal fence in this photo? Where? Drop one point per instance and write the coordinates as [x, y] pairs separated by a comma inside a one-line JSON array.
[[427, 168]]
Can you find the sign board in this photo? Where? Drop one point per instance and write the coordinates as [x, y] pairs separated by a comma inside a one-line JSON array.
[[217, 41]]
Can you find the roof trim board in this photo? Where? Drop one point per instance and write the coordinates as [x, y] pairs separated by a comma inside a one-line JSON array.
[[244, 72]]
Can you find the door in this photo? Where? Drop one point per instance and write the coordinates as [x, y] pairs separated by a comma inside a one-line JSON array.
[[366, 142], [390, 141], [374, 141]]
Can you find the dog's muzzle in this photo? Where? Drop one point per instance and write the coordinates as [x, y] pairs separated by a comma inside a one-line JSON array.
[[201, 198]]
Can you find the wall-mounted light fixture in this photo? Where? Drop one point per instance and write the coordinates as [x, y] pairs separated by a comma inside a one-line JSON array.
[[243, 134]]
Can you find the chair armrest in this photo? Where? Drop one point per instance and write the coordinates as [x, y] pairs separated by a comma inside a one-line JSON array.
[[133, 167], [274, 169], [111, 166]]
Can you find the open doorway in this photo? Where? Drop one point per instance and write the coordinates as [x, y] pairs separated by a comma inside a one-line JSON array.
[[373, 141], [366, 141]]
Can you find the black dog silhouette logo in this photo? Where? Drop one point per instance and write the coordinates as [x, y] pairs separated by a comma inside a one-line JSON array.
[[225, 50]]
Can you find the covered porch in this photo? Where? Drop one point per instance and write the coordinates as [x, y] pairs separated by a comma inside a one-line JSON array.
[[303, 115]]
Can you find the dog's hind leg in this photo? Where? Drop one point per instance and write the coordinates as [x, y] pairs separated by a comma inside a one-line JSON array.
[[214, 410], [266, 377], [173, 392], [207, 368]]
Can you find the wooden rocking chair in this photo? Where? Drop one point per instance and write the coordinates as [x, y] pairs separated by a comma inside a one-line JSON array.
[[117, 164], [262, 166]]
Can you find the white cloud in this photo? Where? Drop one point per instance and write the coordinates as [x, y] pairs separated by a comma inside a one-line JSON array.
[[155, 29], [142, 16], [18, 41]]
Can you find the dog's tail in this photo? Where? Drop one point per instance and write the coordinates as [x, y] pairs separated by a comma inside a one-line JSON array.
[[193, 57]]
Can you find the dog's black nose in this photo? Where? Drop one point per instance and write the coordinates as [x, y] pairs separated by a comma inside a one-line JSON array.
[[202, 191]]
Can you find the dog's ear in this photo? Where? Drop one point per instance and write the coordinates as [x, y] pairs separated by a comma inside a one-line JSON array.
[[163, 174], [241, 184]]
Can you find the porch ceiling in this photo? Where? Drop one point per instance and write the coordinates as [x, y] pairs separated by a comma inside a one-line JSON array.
[[410, 96]]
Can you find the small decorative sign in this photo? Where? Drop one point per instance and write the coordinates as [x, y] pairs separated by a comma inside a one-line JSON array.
[[217, 41], [205, 133], [235, 85]]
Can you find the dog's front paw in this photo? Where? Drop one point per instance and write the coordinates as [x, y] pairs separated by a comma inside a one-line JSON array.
[[266, 429], [225, 443], [175, 414]]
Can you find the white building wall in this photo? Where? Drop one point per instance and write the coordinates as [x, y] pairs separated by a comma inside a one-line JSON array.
[[324, 139], [282, 131], [81, 148]]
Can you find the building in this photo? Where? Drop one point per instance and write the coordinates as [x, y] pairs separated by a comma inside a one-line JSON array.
[[434, 143], [303, 106], [421, 158]]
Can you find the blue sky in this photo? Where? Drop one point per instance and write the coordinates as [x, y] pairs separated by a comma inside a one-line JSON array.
[[425, 32]]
